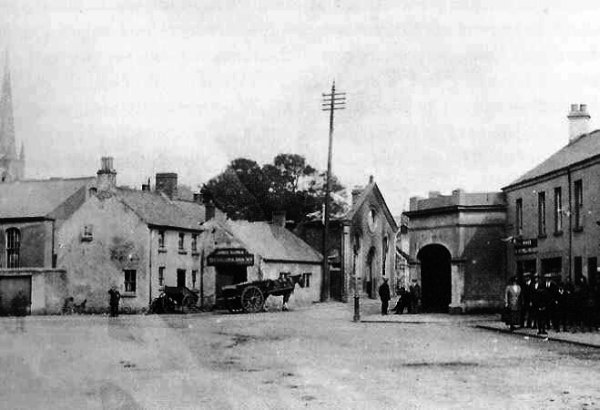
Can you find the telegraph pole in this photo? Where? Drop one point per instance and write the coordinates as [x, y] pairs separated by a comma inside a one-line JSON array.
[[331, 102]]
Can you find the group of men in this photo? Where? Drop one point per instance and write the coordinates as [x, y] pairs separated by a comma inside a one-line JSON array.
[[549, 303], [407, 299]]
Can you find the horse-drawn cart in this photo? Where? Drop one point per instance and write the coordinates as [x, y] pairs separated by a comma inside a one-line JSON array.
[[250, 297], [173, 299]]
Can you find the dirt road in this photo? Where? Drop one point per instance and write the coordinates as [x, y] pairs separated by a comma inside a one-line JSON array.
[[314, 358]]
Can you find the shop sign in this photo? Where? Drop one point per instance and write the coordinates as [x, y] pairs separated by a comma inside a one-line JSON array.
[[525, 246], [230, 256]]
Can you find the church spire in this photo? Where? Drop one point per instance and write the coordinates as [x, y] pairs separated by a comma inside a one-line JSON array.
[[7, 127]]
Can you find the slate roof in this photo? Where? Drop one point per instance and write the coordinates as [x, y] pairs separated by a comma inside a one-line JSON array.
[[272, 242], [582, 148], [37, 198], [158, 210]]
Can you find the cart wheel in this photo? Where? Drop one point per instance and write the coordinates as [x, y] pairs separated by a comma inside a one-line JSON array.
[[252, 299]]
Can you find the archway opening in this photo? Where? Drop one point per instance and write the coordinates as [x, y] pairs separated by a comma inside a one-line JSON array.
[[436, 282]]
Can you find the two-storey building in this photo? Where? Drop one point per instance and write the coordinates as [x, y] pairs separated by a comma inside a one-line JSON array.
[[554, 209]]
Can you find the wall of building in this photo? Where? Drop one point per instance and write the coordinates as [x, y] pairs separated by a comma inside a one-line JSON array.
[[48, 288], [119, 241], [568, 243], [36, 243], [172, 259], [369, 239]]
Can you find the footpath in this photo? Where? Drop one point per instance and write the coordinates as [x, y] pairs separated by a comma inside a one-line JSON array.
[[370, 314]]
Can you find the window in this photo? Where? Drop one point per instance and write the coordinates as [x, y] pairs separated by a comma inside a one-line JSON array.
[[542, 214], [180, 278], [578, 192], [194, 278], [87, 234], [130, 282], [557, 210], [194, 242], [161, 239], [519, 216], [13, 247], [161, 276], [181, 241], [384, 252], [92, 191], [306, 279], [372, 220]]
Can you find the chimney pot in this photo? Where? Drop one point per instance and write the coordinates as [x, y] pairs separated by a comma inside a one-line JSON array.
[[278, 218], [371, 179], [578, 121], [106, 179], [166, 182]]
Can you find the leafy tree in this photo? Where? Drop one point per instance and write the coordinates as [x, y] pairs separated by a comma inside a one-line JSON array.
[[245, 190]]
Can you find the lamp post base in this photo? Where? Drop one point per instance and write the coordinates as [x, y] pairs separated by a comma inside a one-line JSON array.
[[356, 308]]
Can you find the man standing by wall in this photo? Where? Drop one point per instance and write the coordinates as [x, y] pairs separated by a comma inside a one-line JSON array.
[[114, 301], [384, 295]]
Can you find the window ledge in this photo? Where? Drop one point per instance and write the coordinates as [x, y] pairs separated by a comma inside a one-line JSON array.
[[182, 252], [162, 250], [128, 295], [558, 233], [578, 229], [195, 253]]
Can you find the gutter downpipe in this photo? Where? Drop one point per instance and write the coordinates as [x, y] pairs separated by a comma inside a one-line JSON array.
[[570, 224]]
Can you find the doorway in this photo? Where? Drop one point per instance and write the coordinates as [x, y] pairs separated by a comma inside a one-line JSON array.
[[12, 287], [180, 278], [436, 281], [369, 274], [229, 275]]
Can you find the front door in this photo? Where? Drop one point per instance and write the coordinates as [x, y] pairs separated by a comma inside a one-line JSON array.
[[180, 277]]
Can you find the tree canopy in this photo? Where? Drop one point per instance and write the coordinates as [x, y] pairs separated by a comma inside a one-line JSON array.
[[246, 190]]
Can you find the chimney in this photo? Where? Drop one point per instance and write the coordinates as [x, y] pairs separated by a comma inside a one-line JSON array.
[[278, 218], [209, 210], [434, 194], [578, 121], [371, 179], [166, 182], [355, 194], [106, 175]]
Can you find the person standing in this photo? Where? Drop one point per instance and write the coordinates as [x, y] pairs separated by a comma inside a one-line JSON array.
[[115, 296], [512, 303], [415, 297], [402, 303], [384, 295]]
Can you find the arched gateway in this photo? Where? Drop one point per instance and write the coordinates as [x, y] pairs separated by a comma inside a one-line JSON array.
[[436, 282]]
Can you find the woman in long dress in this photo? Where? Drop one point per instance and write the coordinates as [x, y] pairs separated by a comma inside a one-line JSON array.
[[512, 303]]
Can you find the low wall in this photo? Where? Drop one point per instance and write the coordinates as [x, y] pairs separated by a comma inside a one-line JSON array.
[[48, 288]]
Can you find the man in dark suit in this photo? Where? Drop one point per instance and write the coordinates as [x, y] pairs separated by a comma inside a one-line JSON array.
[[384, 295]]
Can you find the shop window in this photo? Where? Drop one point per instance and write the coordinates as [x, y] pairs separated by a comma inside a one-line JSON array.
[[13, 248], [130, 280]]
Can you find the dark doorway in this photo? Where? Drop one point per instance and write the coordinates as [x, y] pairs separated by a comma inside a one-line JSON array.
[[592, 271], [180, 278], [435, 278], [369, 273], [229, 275], [12, 287]]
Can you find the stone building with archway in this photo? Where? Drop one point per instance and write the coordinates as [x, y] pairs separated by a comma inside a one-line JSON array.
[[457, 251]]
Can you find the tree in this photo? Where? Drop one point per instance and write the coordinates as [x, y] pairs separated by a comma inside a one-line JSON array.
[[245, 190]]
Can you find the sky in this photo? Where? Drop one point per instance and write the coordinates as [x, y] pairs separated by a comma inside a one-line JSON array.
[[440, 94]]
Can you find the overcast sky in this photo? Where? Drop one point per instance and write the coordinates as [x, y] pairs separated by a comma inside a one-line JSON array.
[[441, 94]]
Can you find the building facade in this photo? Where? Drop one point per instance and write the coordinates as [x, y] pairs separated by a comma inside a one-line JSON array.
[[554, 209], [361, 245], [457, 252]]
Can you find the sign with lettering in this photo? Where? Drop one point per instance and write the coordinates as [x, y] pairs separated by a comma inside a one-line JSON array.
[[526, 246], [230, 256]]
